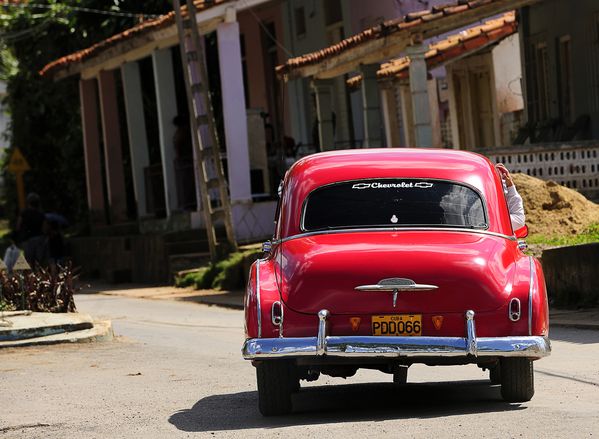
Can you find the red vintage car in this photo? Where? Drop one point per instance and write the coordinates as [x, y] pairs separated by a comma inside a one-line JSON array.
[[384, 258]]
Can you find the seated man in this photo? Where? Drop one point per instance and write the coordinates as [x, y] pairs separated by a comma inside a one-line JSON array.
[[514, 200]]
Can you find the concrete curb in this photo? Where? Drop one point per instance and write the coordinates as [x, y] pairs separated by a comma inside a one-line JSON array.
[[575, 325], [101, 331], [35, 325]]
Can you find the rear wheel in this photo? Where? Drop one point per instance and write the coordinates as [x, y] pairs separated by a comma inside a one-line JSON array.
[[277, 380], [517, 379], [400, 375]]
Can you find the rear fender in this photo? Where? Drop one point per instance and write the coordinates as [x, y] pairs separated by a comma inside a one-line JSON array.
[[529, 288], [261, 292], [539, 324]]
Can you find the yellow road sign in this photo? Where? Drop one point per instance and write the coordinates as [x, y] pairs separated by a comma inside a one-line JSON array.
[[21, 264], [17, 163]]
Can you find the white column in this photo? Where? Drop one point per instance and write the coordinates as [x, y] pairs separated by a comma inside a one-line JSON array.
[[234, 111], [164, 81], [390, 116], [371, 106], [420, 101], [138, 139], [324, 110]]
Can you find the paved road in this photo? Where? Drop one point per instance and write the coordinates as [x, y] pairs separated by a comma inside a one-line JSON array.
[[176, 371]]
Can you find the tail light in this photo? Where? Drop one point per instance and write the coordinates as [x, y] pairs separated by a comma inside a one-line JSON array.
[[515, 310]]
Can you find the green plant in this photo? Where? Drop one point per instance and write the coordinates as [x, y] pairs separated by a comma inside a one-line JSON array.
[[590, 235], [40, 291], [227, 274], [5, 306]]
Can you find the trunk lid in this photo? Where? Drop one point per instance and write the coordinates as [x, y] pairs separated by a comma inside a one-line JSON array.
[[471, 270]]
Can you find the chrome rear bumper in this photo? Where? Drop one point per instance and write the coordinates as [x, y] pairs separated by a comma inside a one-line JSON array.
[[389, 347]]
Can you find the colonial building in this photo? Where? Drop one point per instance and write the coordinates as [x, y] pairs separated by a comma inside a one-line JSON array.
[[144, 209], [557, 134]]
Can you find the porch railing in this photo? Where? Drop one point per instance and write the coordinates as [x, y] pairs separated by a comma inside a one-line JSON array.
[[573, 164]]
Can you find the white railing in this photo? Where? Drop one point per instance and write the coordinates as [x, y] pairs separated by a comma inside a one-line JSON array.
[[573, 164]]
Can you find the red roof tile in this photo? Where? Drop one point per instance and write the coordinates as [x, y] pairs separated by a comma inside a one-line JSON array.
[[142, 28], [451, 47], [389, 27]]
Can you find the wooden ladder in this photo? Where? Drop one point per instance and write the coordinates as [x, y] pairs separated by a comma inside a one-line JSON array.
[[210, 178]]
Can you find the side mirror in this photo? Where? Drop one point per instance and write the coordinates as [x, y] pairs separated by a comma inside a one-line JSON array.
[[267, 246], [522, 232]]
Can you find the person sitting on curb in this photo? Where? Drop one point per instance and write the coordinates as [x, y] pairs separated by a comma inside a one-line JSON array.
[[513, 198]]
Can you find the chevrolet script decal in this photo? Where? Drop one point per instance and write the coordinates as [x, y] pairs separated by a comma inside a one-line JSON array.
[[402, 185]]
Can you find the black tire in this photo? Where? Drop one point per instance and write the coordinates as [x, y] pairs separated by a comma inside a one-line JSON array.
[[495, 374], [400, 375], [277, 380], [517, 379]]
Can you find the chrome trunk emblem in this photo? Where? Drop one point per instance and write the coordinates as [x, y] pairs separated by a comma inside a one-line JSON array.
[[395, 285]]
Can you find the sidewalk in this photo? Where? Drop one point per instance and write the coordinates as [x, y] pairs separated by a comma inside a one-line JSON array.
[[226, 299], [23, 328], [581, 319]]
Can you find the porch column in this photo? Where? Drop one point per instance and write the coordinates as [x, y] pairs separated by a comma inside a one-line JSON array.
[[164, 81], [419, 90], [138, 140], [88, 94], [324, 111], [390, 115], [113, 156], [371, 106], [234, 111]]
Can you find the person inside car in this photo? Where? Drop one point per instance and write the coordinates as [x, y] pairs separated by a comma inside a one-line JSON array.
[[513, 198]]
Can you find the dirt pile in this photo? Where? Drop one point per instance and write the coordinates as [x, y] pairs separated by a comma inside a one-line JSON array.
[[552, 209]]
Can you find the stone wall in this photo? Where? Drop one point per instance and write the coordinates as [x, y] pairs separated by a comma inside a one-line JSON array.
[[571, 275]]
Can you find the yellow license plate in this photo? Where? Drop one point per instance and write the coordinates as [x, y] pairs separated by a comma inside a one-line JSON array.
[[398, 324]]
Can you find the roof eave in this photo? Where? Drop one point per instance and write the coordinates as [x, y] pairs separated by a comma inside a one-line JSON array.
[[376, 50], [141, 45]]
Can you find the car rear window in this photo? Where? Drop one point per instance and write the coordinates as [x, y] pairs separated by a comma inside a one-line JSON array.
[[393, 203]]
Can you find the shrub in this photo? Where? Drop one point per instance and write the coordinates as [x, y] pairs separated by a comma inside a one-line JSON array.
[[227, 274], [39, 291]]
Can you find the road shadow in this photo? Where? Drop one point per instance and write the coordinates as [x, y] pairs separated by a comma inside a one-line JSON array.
[[573, 335], [225, 299], [345, 403]]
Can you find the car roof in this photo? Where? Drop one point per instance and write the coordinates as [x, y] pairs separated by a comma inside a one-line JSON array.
[[464, 167]]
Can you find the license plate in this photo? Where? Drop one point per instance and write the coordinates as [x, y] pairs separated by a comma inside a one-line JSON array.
[[398, 324]]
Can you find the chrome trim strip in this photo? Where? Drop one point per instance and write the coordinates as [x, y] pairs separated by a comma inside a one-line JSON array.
[[321, 343], [258, 305], [471, 343], [393, 229], [532, 279], [393, 288], [396, 347]]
